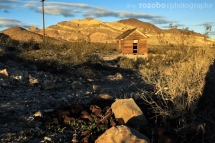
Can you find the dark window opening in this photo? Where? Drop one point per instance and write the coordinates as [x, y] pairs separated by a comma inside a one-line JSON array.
[[134, 48]]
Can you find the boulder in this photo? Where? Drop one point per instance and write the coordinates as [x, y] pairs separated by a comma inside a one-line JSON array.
[[128, 110], [122, 134]]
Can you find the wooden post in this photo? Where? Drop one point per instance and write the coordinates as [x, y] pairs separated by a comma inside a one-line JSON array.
[[43, 19]]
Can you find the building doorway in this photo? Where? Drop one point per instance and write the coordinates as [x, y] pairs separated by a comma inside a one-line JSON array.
[[135, 46]]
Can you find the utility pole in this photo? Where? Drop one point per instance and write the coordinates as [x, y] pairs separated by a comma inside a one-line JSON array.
[[43, 19]]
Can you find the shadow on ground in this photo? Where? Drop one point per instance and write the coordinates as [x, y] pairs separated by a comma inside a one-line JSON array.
[[19, 100], [206, 106]]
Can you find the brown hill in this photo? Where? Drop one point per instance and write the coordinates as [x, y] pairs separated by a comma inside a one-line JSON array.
[[21, 34], [93, 30], [33, 33], [145, 26]]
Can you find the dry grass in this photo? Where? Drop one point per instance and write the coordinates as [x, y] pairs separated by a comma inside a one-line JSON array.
[[179, 83], [55, 56]]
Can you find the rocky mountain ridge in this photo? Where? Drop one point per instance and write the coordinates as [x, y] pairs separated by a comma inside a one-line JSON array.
[[94, 30]]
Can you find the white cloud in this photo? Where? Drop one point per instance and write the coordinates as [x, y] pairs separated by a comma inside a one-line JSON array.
[[5, 5], [8, 22], [163, 21], [8, 1], [205, 24], [71, 9]]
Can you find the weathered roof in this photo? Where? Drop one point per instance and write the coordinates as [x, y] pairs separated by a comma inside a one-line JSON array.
[[128, 32]]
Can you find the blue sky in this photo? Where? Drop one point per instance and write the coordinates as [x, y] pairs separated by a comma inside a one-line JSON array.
[[186, 13]]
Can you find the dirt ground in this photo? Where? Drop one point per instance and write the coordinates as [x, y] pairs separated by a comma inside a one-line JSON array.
[[20, 99]]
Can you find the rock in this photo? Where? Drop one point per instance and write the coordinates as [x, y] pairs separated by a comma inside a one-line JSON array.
[[30, 118], [4, 72], [88, 92], [38, 114], [16, 79], [48, 84], [97, 89], [76, 84], [50, 139], [128, 110], [20, 76], [117, 76], [32, 80], [105, 96], [90, 80], [122, 134]]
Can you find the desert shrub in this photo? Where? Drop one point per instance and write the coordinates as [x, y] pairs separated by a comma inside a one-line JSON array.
[[59, 57], [140, 62], [180, 78], [178, 89], [108, 47], [30, 45], [124, 62], [82, 51], [8, 44], [157, 49], [11, 42]]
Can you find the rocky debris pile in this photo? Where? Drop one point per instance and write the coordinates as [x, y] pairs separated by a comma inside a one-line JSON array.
[[134, 122], [95, 123], [28, 95]]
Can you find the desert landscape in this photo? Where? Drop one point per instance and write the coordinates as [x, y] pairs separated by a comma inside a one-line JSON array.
[[74, 86]]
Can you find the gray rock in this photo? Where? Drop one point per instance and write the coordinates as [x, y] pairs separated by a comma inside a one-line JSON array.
[[48, 84], [77, 85]]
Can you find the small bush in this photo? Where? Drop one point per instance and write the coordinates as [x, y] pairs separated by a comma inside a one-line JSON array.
[[124, 62], [30, 45], [179, 87]]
